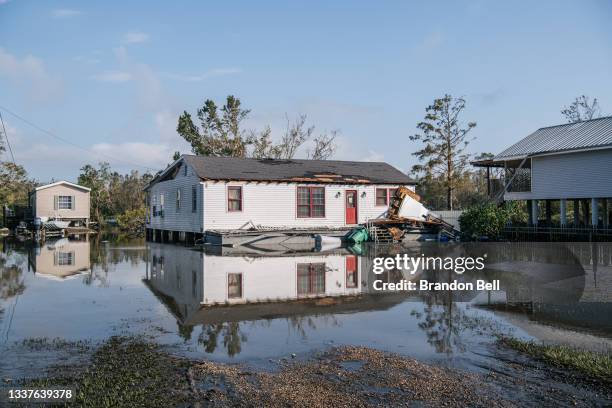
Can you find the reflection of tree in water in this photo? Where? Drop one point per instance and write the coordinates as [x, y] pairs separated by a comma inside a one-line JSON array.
[[11, 275], [185, 331], [103, 258], [230, 334], [301, 323], [443, 321], [11, 281]]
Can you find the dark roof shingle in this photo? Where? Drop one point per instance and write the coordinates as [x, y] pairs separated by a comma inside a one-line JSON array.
[[296, 170]]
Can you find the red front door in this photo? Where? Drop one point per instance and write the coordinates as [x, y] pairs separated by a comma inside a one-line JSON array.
[[351, 206], [352, 275]]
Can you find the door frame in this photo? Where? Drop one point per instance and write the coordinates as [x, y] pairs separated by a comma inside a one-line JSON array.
[[346, 271], [356, 206]]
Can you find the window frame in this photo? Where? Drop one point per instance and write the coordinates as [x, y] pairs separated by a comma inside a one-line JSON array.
[[62, 258], [310, 204], [315, 273], [229, 295], [70, 200], [178, 199], [194, 199], [388, 196], [241, 201]]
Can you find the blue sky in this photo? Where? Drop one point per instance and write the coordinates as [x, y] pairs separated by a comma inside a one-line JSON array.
[[112, 78]]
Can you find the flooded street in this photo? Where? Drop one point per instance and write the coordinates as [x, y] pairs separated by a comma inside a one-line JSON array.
[[245, 305]]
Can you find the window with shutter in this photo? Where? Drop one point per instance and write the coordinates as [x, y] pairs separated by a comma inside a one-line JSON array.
[[64, 202]]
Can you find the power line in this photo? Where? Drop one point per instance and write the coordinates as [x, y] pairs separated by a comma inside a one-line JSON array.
[[7, 139], [40, 129]]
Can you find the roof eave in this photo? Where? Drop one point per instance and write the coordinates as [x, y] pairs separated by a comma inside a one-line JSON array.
[[310, 181], [57, 183]]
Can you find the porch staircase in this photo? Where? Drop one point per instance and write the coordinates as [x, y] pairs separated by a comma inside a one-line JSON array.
[[380, 235]]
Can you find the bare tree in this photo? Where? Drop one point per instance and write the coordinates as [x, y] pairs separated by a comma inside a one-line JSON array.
[[263, 147], [220, 133], [324, 146], [583, 108], [296, 134]]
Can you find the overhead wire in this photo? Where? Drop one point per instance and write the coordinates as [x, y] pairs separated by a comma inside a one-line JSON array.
[[7, 138], [53, 135]]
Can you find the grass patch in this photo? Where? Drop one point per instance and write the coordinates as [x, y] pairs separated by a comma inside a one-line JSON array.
[[126, 372], [592, 364]]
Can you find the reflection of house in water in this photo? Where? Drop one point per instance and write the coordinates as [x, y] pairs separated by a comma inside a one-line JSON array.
[[568, 283], [60, 259], [252, 287]]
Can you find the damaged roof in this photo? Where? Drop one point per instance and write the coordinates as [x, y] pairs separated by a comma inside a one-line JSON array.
[[296, 170], [589, 134]]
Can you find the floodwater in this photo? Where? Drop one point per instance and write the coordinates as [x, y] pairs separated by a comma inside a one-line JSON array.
[[254, 305]]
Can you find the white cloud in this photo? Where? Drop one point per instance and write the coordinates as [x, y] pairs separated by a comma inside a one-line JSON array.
[[116, 76], [65, 13], [154, 155], [373, 157], [39, 153], [123, 157], [135, 37], [30, 73], [215, 72]]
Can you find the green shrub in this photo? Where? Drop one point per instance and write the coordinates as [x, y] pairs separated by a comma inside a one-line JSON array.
[[487, 219], [132, 222]]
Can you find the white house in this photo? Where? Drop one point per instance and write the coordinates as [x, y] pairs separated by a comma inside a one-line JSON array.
[[197, 194], [196, 286]]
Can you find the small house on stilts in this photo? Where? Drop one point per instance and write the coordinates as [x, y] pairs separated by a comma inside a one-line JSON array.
[[563, 173]]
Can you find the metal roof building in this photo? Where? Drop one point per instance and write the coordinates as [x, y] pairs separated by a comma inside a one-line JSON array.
[[571, 162], [595, 133]]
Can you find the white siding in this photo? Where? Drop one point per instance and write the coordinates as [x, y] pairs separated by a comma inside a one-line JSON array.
[[571, 175], [183, 219], [265, 204], [177, 272], [274, 205], [271, 278]]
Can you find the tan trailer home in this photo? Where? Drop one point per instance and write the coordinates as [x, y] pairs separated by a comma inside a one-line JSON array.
[[61, 201]]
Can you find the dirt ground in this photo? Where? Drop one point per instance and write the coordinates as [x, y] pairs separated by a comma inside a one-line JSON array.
[[129, 372]]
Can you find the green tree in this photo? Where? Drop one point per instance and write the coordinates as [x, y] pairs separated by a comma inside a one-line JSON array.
[[218, 134], [114, 194], [221, 134], [445, 138], [14, 184], [97, 180]]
